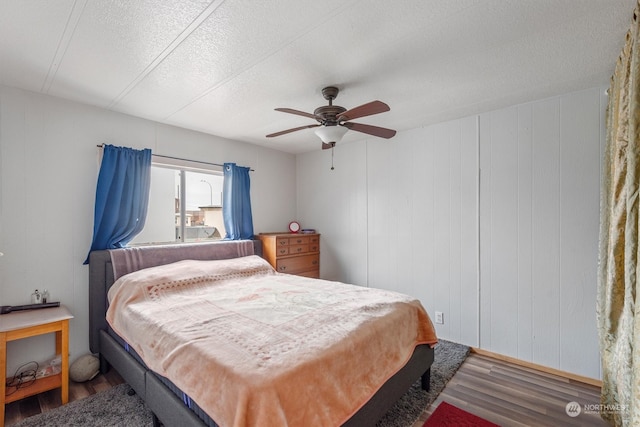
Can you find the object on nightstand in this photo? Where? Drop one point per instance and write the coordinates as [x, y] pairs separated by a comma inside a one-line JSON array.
[[5, 309], [52, 367], [36, 297]]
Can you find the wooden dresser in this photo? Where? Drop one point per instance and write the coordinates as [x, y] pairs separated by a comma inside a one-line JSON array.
[[292, 253]]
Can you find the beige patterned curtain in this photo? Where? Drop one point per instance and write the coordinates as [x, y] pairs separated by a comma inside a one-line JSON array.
[[618, 305]]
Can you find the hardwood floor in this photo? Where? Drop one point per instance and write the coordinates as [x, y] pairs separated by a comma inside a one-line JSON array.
[[498, 391], [511, 395]]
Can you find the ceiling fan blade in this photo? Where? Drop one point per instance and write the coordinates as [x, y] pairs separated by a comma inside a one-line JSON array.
[[297, 112], [368, 109], [371, 130], [283, 132]]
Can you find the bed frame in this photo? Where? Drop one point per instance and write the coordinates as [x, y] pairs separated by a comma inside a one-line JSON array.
[[166, 406]]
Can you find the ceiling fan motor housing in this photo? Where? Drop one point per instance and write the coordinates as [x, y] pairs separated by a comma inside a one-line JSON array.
[[328, 114]]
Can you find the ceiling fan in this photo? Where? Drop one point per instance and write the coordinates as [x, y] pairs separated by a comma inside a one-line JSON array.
[[334, 121]]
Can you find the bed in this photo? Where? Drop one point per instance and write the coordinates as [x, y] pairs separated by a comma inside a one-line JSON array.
[[169, 403]]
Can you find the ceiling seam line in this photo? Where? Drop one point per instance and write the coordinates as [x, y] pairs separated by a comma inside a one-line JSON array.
[[193, 26], [63, 43], [244, 69]]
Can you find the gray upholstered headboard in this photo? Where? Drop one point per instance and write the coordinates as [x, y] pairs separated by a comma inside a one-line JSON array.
[[101, 271]]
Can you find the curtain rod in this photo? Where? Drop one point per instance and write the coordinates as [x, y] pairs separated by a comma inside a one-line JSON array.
[[184, 160]]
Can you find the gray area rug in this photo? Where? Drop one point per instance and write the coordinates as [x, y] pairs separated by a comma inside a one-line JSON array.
[[447, 359], [112, 408], [115, 408]]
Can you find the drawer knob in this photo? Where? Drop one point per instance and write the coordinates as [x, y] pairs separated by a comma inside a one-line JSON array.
[[314, 262], [283, 268], [299, 249]]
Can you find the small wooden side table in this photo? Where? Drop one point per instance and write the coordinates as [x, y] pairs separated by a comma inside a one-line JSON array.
[[29, 323]]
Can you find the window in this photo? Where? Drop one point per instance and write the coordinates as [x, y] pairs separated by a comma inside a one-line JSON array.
[[185, 205]]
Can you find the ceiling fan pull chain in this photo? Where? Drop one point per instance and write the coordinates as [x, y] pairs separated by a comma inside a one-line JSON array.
[[332, 146]]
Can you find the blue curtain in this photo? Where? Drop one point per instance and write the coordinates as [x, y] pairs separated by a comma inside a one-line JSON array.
[[122, 197], [236, 203]]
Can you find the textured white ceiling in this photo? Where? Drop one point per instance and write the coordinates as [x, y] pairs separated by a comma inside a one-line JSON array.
[[221, 67]]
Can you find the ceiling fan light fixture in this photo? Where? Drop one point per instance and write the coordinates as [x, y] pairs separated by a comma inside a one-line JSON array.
[[329, 134]]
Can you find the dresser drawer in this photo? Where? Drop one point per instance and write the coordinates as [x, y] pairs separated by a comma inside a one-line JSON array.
[[282, 241], [282, 250], [298, 264], [298, 249], [299, 240]]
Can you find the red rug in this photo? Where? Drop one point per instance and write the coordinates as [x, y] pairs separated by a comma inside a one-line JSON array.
[[448, 415]]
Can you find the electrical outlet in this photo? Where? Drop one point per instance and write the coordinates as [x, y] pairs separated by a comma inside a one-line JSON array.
[[439, 317]]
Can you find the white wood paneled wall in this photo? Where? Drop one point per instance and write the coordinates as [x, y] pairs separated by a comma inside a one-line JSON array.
[[539, 216], [491, 219], [334, 202], [401, 215], [422, 220]]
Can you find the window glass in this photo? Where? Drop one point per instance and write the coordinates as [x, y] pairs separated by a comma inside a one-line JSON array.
[[202, 215]]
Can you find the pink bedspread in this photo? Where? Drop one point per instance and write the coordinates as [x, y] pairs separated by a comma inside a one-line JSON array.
[[258, 348]]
